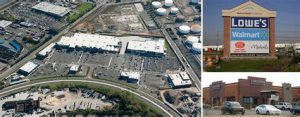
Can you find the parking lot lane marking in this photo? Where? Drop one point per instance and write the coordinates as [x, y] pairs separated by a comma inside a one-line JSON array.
[[80, 58], [109, 62], [142, 64]]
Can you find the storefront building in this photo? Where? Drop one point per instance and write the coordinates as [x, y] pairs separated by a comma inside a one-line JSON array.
[[250, 92]]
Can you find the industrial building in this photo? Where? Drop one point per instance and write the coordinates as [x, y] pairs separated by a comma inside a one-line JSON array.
[[22, 106], [92, 42], [252, 91], [132, 77], [74, 69], [44, 53], [27, 68], [154, 48], [51, 9], [4, 23], [179, 80]]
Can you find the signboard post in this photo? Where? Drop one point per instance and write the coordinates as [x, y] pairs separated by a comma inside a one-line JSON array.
[[249, 32]]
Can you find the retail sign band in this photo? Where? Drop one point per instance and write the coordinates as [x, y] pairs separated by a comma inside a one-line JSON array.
[[249, 35], [249, 22]]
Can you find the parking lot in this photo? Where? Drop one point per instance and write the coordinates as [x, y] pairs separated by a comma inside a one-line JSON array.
[[116, 61], [29, 28], [248, 113]]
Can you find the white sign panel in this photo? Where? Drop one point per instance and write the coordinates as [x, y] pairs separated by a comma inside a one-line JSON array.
[[249, 47]]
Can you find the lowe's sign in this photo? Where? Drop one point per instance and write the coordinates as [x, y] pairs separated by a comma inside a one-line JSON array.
[[249, 22]]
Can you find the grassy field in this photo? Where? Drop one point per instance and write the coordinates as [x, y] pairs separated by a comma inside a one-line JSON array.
[[80, 11], [284, 65]]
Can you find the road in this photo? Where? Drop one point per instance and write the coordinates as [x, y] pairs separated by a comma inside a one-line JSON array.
[[32, 55], [182, 59], [248, 113], [140, 94]]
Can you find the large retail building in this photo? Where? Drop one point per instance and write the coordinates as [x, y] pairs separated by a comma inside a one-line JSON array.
[[250, 92]]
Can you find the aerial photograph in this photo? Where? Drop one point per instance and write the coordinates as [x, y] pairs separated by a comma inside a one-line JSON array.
[[251, 95], [100, 58], [251, 36]]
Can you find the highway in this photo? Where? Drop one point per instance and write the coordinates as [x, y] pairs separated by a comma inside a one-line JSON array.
[[32, 55], [182, 59], [140, 94]]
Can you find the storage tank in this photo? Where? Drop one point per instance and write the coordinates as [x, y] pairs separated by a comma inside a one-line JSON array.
[[192, 39], [194, 1], [180, 18], [184, 29], [174, 10], [161, 11], [197, 18], [196, 28], [197, 47], [168, 3], [156, 4]]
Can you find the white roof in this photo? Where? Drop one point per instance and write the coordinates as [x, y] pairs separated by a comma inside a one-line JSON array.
[[131, 75], [4, 23], [193, 39], [184, 76], [184, 27], [156, 3], [74, 68], [139, 7], [107, 43], [181, 79], [156, 46], [46, 50], [52, 9], [28, 67]]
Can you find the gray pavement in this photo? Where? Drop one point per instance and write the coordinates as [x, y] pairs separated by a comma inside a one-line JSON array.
[[250, 113]]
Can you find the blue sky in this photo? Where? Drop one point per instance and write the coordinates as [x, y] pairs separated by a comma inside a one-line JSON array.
[[287, 21]]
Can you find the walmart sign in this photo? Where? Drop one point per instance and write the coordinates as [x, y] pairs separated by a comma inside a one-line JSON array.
[[249, 34]]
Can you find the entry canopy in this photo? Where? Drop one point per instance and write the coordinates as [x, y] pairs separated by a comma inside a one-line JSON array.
[[269, 91], [249, 9]]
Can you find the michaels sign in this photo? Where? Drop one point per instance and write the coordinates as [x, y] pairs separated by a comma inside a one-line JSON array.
[[249, 22]]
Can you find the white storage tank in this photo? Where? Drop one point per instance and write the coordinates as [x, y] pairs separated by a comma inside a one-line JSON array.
[[192, 39], [197, 47], [184, 29], [161, 11], [174, 10], [194, 1], [156, 4], [196, 28], [168, 3]]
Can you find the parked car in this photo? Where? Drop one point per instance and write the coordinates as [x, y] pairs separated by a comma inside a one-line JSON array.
[[232, 107], [267, 110], [284, 105], [295, 110]]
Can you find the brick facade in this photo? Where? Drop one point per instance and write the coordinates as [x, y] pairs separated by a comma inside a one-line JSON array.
[[257, 88]]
